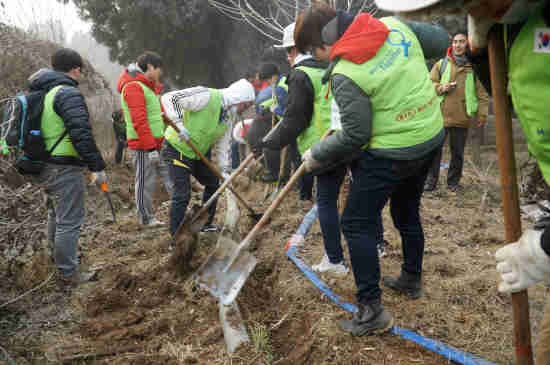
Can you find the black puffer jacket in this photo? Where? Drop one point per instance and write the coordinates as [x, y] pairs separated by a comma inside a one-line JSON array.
[[299, 108], [70, 105]]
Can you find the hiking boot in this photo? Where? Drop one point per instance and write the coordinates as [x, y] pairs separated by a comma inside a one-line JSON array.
[[326, 266], [430, 186], [370, 319], [211, 228], [408, 284], [78, 277]]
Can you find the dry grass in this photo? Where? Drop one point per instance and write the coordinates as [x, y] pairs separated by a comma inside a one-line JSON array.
[[141, 312]]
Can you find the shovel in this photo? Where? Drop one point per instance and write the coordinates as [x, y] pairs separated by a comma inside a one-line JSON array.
[[281, 173], [227, 268], [107, 194], [216, 171], [225, 271], [182, 242]]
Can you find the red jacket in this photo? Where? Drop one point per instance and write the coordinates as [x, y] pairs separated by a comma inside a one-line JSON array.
[[133, 95]]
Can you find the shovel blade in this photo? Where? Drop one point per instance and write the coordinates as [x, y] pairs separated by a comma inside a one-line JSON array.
[[221, 281]]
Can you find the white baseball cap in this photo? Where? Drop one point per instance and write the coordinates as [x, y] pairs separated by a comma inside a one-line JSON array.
[[288, 37], [404, 5]]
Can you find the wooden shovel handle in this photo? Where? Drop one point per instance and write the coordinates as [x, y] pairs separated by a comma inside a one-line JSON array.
[[274, 205], [509, 187], [214, 169], [218, 192]]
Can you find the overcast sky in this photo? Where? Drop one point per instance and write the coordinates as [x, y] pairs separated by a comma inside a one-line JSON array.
[[22, 13]]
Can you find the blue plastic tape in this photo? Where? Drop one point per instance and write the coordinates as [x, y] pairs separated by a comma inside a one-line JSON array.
[[435, 346]]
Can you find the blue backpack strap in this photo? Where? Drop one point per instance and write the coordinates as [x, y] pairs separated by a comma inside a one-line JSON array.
[[22, 99]]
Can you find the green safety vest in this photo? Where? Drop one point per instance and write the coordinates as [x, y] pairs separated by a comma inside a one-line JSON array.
[[405, 108], [529, 74], [320, 119], [154, 113], [267, 103], [204, 127], [52, 127], [470, 92]]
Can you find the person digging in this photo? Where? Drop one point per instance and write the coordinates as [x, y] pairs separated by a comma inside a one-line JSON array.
[[378, 75], [526, 24], [205, 117]]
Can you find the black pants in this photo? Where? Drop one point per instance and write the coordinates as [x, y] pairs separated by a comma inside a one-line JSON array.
[[375, 181], [180, 176], [457, 140]]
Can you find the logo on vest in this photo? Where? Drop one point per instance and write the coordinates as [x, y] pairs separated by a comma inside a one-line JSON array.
[[390, 57], [400, 41], [542, 40], [540, 132]]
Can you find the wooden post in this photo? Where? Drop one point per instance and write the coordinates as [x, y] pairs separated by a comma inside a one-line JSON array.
[[509, 186]]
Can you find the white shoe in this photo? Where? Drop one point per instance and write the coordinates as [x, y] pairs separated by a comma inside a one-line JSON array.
[[154, 222], [326, 266]]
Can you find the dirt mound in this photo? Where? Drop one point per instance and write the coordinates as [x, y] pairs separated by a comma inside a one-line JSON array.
[[141, 311]]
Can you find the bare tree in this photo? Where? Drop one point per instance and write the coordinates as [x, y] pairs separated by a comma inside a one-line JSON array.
[[269, 17], [50, 20]]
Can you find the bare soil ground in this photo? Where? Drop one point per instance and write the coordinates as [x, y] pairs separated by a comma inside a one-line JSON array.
[[141, 312]]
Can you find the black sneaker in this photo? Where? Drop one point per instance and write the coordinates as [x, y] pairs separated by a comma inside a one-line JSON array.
[[211, 228], [370, 319], [410, 285]]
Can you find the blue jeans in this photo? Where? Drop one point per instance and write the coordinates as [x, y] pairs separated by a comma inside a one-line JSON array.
[[64, 186], [328, 187], [375, 181], [180, 177]]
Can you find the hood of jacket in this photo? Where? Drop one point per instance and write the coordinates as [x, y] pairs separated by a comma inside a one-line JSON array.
[[362, 40], [47, 79], [134, 73], [238, 92]]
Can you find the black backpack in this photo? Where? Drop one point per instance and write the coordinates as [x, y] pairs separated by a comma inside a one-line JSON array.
[[23, 116]]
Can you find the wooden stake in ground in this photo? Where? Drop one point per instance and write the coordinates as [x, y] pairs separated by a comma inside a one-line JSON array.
[[509, 187]]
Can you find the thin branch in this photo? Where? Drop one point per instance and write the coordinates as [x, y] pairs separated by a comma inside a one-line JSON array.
[[28, 292]]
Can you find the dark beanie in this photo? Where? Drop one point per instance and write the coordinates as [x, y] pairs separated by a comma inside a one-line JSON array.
[[267, 70], [336, 27]]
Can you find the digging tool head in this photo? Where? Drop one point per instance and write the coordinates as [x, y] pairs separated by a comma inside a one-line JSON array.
[[221, 281]]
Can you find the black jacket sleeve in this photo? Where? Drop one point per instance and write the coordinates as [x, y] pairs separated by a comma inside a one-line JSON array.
[[70, 105], [298, 113], [355, 116]]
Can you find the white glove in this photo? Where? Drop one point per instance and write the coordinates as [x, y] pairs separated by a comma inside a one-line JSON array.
[[273, 107], [523, 263], [154, 156], [225, 175], [183, 132], [478, 31], [310, 163], [99, 177]]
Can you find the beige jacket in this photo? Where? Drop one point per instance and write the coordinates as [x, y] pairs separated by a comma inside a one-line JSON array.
[[453, 106]]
